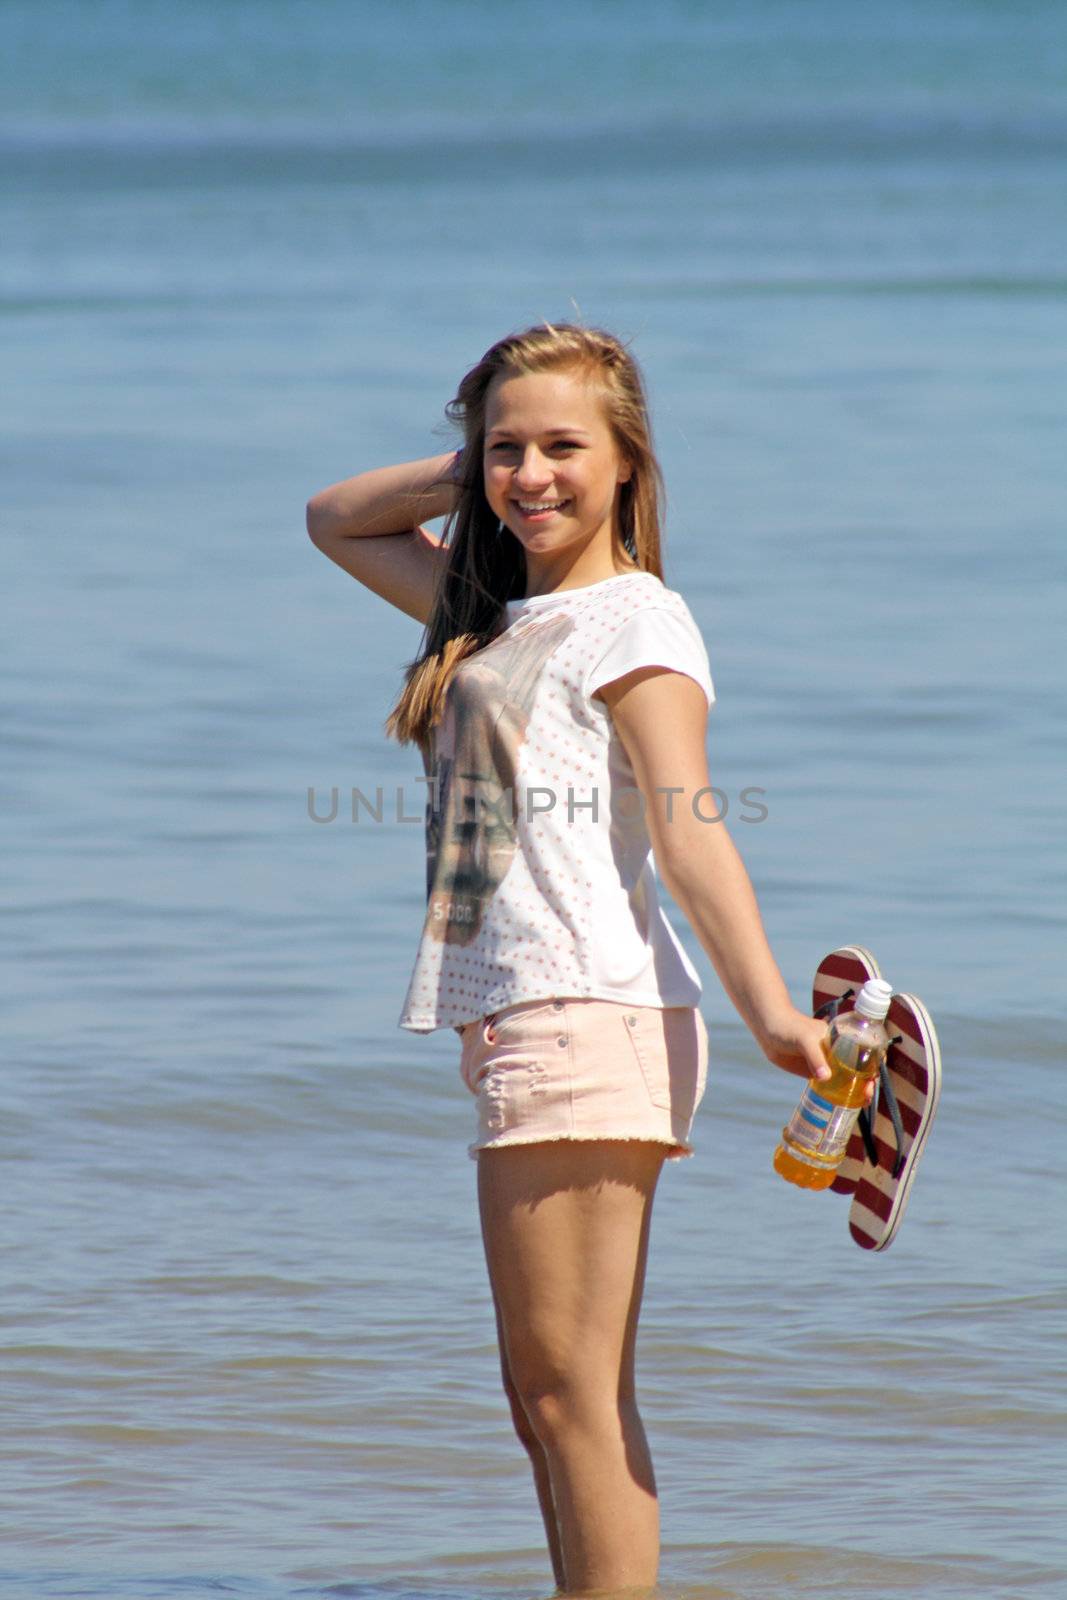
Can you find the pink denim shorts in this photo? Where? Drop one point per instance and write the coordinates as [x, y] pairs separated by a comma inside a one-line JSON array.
[[585, 1069]]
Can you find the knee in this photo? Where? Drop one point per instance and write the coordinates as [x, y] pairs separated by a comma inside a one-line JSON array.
[[537, 1394], [551, 1411], [557, 1404], [519, 1415]]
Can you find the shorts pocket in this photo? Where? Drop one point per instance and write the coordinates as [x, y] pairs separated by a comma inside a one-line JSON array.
[[645, 1032], [511, 1024]]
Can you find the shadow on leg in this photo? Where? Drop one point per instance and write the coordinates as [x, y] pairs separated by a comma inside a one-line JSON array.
[[566, 1228], [534, 1449]]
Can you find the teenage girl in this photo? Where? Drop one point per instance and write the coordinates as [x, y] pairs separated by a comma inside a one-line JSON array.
[[559, 702]]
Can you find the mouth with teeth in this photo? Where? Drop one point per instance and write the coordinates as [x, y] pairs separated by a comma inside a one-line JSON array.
[[538, 510]]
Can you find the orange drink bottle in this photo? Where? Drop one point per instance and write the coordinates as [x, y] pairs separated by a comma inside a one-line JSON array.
[[814, 1140]]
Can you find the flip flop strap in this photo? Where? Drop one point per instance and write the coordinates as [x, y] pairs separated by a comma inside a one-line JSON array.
[[865, 1123], [894, 1110], [868, 1114], [831, 1007]]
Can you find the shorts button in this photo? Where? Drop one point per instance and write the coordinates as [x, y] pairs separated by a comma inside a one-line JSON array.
[[557, 1005], [562, 1042], [631, 1022]]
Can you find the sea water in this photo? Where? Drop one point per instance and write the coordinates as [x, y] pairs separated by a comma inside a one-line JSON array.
[[249, 249]]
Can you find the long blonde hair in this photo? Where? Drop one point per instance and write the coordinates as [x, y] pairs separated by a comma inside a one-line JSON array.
[[486, 563]]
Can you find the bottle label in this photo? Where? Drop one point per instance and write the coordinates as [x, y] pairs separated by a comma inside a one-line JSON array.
[[820, 1129]]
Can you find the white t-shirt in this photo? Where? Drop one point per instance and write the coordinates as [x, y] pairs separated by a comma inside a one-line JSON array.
[[540, 879]]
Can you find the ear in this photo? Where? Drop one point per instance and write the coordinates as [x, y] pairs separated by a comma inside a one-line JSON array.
[[625, 472]]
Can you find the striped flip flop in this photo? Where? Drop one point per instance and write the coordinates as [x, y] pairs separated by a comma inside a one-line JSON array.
[[913, 1077]]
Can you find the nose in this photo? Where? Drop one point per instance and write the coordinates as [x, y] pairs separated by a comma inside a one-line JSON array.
[[533, 470]]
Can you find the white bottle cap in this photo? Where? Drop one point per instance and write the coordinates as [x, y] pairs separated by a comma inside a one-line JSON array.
[[873, 999]]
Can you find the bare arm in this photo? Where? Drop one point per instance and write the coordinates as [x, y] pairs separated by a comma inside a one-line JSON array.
[[384, 500], [661, 718], [370, 525]]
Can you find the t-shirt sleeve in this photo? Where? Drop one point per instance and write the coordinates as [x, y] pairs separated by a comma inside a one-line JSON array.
[[653, 638]]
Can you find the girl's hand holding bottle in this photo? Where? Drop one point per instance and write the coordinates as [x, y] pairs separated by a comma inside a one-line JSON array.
[[794, 1042], [854, 1049]]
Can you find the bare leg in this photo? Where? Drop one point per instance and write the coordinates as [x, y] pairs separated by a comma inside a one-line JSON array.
[[565, 1225], [534, 1449]]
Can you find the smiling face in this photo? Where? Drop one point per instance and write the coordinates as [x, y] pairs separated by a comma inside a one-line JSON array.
[[552, 472]]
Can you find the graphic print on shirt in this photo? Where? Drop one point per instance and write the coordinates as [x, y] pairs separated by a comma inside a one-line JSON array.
[[470, 809]]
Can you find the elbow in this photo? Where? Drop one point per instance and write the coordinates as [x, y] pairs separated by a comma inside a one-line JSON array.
[[677, 875], [316, 517], [686, 858], [694, 859]]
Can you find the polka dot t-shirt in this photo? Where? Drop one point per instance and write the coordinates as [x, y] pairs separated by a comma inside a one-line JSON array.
[[540, 880]]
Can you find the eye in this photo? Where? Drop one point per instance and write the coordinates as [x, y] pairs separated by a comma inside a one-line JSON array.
[[558, 444]]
